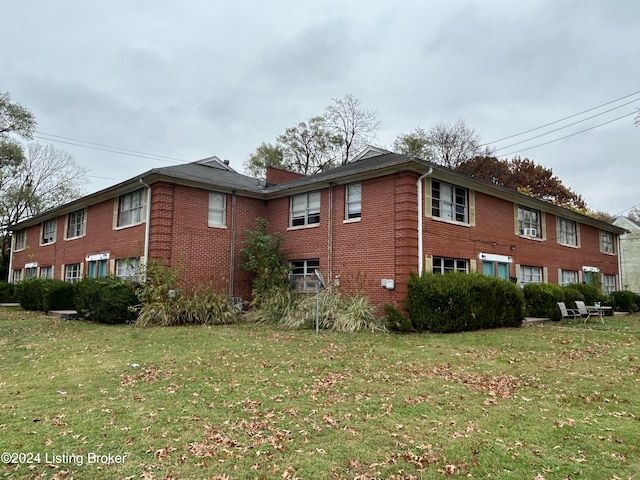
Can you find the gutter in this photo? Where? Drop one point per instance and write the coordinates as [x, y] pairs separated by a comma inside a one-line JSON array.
[[10, 272], [420, 215], [147, 228]]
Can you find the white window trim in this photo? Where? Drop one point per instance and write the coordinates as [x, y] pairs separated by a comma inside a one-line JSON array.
[[23, 236], [306, 216], [613, 247], [540, 225], [84, 224], [307, 285], [562, 220], [116, 210], [55, 231], [211, 224], [347, 203], [467, 210]]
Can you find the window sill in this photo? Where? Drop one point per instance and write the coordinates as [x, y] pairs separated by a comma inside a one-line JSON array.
[[47, 244], [121, 227], [352, 220], [220, 227], [569, 245], [535, 239], [608, 253], [303, 227], [74, 238]]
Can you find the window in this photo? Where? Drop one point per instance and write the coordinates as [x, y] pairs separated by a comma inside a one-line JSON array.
[[608, 283], [568, 277], [75, 226], [530, 275], [529, 222], [46, 272], [127, 268], [353, 201], [72, 273], [30, 272], [448, 202], [444, 265], [567, 232], [130, 208], [305, 209], [302, 276], [217, 209], [97, 268], [20, 240], [17, 275], [49, 232], [606, 242]]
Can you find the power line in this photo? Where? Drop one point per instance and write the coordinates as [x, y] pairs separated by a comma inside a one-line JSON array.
[[562, 119], [566, 126], [106, 148], [570, 135]]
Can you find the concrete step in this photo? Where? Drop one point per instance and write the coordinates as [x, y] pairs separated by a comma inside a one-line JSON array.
[[63, 314]]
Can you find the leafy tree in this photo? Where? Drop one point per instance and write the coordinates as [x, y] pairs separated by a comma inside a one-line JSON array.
[[45, 178], [355, 127], [415, 144], [525, 176], [262, 256], [17, 120], [320, 143], [447, 144]]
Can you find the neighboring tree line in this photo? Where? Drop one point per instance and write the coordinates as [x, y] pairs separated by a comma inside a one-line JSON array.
[[33, 177]]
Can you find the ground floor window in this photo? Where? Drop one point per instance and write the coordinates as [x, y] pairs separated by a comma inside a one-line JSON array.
[[568, 277], [97, 268], [128, 268], [302, 276], [17, 275], [30, 272], [46, 272], [608, 283], [72, 272], [530, 275], [445, 265]]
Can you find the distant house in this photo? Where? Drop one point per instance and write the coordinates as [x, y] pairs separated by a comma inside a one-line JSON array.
[[365, 225], [629, 254]]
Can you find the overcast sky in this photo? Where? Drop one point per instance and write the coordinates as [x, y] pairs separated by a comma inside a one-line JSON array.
[[192, 79]]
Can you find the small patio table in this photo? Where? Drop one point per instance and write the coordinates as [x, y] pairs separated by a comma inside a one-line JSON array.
[[596, 310]]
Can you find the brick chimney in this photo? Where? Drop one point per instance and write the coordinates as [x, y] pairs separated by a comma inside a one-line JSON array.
[[276, 176]]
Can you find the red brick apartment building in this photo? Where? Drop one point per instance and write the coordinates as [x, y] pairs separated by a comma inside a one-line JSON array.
[[365, 225]]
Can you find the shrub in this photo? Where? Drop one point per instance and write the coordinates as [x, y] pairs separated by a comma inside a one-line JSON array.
[[590, 293], [336, 311], [106, 300], [626, 301], [204, 308], [457, 302], [541, 300], [7, 292], [42, 294], [273, 306], [396, 320]]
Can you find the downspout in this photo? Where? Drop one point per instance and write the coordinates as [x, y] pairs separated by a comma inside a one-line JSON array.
[[232, 249], [330, 237], [147, 229], [620, 263], [10, 272], [420, 248]]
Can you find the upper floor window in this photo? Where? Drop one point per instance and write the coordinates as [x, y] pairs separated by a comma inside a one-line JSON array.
[[567, 232], [529, 222], [449, 202], [606, 242], [353, 201], [445, 265], [20, 240], [530, 275], [130, 207], [305, 209], [217, 209], [49, 231], [76, 223]]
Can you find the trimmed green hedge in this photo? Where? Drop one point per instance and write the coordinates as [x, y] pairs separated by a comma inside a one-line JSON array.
[[7, 292], [42, 294], [106, 300], [458, 302], [626, 301]]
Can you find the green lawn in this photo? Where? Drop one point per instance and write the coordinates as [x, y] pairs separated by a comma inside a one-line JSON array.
[[558, 401]]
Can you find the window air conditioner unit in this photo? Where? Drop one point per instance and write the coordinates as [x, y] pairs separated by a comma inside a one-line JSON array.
[[531, 232]]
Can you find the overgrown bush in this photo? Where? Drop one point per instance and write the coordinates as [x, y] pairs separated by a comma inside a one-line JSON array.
[[40, 294], [626, 301], [541, 300], [272, 306], [106, 300], [7, 292], [396, 320], [457, 302], [590, 293], [203, 308]]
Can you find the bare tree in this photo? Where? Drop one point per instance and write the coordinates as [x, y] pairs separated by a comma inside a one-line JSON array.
[[453, 144], [355, 126]]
